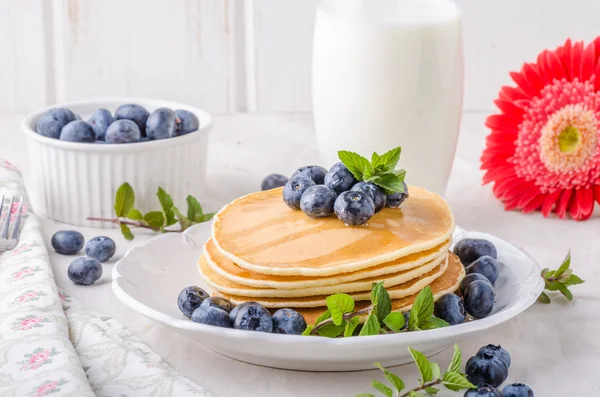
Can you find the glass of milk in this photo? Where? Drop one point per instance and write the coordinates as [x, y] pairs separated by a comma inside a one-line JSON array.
[[389, 73]]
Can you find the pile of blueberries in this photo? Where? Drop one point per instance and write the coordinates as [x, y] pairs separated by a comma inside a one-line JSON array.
[[130, 123], [477, 298], [195, 303], [488, 369], [320, 193], [85, 270]]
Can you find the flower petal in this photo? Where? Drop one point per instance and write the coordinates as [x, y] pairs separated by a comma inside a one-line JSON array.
[[597, 193], [585, 204], [550, 201], [533, 77], [563, 203], [576, 60], [564, 54], [555, 66], [521, 80], [497, 172], [535, 203], [587, 63], [510, 108], [514, 93]]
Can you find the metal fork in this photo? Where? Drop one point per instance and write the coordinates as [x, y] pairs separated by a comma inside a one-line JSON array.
[[6, 243]]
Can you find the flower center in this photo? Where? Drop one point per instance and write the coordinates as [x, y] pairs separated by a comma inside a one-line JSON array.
[[569, 139]]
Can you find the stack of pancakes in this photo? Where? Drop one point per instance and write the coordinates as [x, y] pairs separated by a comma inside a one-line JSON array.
[[263, 251]]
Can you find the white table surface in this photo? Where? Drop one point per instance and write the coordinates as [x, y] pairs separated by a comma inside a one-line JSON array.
[[555, 348]]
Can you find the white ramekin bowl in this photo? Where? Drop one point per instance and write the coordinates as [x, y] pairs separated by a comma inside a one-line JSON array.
[[71, 181]]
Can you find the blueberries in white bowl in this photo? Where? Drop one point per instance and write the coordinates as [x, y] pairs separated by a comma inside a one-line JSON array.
[[471, 249], [450, 308], [102, 248], [469, 278], [479, 298], [85, 270], [218, 302], [486, 266], [185, 122], [289, 322], [52, 122], [78, 131], [136, 113], [123, 131], [160, 124], [67, 242], [190, 298], [211, 315], [99, 121], [253, 317]]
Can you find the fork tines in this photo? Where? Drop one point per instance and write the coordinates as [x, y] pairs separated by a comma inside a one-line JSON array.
[[6, 225]]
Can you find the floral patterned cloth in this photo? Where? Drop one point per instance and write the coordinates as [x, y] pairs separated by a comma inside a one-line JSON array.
[[52, 346]]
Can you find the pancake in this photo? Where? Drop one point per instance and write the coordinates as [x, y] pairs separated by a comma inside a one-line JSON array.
[[231, 287], [258, 232], [445, 284], [396, 292], [225, 268]]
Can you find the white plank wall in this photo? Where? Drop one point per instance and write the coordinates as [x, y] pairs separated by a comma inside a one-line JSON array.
[[235, 55]]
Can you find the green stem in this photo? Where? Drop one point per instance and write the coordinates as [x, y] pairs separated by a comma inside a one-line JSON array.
[[130, 222], [346, 316], [425, 386]]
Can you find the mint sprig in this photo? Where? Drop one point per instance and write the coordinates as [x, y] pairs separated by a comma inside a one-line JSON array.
[[560, 280], [381, 170], [431, 377], [340, 319], [127, 215]]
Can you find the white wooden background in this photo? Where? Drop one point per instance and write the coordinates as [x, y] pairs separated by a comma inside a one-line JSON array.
[[234, 55]]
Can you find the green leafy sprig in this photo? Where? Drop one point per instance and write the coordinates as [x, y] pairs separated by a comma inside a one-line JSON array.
[[381, 170], [431, 377], [127, 215], [340, 318], [560, 280]]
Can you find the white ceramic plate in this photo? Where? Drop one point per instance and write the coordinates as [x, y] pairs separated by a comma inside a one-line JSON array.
[[149, 278]]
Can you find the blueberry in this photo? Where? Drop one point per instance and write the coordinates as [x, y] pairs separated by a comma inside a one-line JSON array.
[[314, 172], [236, 309], [517, 390], [339, 178], [486, 368], [100, 121], [216, 301], [185, 122], [85, 270], [122, 131], [395, 200], [498, 351], [354, 208], [288, 321], [317, 201], [135, 113], [376, 194], [67, 242], [254, 318], [51, 123], [77, 117], [483, 390], [272, 181], [479, 299], [406, 318], [469, 278], [100, 142], [211, 315], [450, 308], [190, 298], [471, 249], [78, 131], [486, 266], [102, 248], [160, 124], [293, 190]]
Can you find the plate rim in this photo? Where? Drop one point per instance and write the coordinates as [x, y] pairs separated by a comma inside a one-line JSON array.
[[404, 338]]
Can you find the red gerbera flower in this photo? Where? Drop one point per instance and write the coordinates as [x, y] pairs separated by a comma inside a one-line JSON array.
[[544, 149]]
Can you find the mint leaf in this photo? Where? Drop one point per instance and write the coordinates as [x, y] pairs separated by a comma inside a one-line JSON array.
[[371, 326], [573, 280], [456, 381], [394, 321], [365, 395], [156, 219], [394, 380], [564, 266], [166, 201], [126, 231], [381, 299], [456, 359], [422, 309], [383, 389], [354, 162], [324, 316], [170, 218], [389, 182], [414, 394], [388, 160], [124, 200], [423, 365], [207, 217], [135, 214], [308, 330], [351, 326], [435, 371], [194, 212], [331, 330], [544, 298], [432, 390], [433, 323], [565, 291], [338, 305], [544, 272]]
